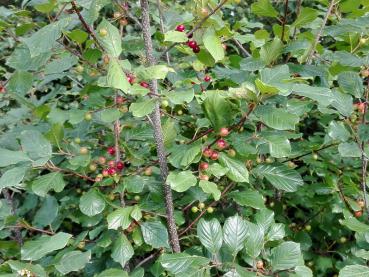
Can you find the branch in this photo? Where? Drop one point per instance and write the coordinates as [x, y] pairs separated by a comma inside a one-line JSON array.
[[319, 34], [364, 159], [85, 25], [197, 26], [162, 27], [244, 52], [158, 133], [284, 19], [16, 230], [310, 152]]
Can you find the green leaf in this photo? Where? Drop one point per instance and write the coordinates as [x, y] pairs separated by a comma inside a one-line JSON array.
[[136, 213], [92, 203], [45, 39], [211, 188], [355, 225], [213, 44], [112, 42], [349, 149], [183, 155], [78, 36], [73, 261], [217, 109], [303, 271], [120, 218], [34, 268], [276, 232], [279, 146], [237, 170], [254, 243], [285, 256], [323, 96], [351, 83], [47, 212], [8, 157], [210, 234], [51, 181], [142, 108], [36, 146], [12, 177], [113, 272], [122, 250], [155, 234], [175, 36], [109, 115], [179, 97], [182, 264], [159, 71], [354, 271], [20, 83], [116, 77], [263, 8], [280, 176], [271, 51], [306, 16], [34, 250], [276, 118], [235, 233], [338, 131], [65, 62], [248, 198], [181, 181]]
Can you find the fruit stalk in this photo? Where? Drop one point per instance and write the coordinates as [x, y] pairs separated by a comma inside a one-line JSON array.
[[158, 133]]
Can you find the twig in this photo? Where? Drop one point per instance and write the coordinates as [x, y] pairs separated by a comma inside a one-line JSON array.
[[224, 192], [197, 26], [244, 52], [58, 169], [319, 34], [310, 152], [85, 25], [284, 19], [364, 159], [158, 133], [148, 258], [59, 12], [162, 27], [17, 233]]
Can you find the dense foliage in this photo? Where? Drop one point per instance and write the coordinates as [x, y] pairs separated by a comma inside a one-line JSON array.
[[263, 113]]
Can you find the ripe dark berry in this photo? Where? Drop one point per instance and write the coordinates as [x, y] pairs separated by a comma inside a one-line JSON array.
[[111, 150], [180, 28], [196, 49], [192, 44], [112, 171], [144, 84], [214, 156], [130, 78], [221, 143], [207, 152], [119, 165], [207, 78], [203, 166], [223, 132], [190, 35]]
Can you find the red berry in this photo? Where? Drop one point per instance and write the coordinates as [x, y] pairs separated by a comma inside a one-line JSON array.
[[120, 99], [180, 28], [207, 152], [358, 213], [105, 172], [190, 35], [2, 89], [102, 160], [207, 78], [112, 171], [204, 177], [111, 150], [144, 84], [196, 49], [111, 163], [224, 132], [203, 166], [192, 44], [214, 156], [130, 78], [119, 165], [221, 143]]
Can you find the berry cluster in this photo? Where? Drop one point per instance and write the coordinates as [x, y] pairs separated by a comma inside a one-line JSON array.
[[132, 79], [113, 168], [190, 43]]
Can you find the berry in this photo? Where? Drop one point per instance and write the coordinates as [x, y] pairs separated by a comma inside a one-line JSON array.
[[268, 160], [214, 156], [77, 140], [112, 171], [148, 171], [119, 165], [223, 132], [130, 78], [164, 103], [204, 12], [358, 213], [343, 239], [179, 112], [308, 228], [137, 198], [111, 151], [101, 160], [203, 166], [196, 49], [204, 177], [194, 209], [207, 78], [365, 73], [144, 84], [99, 178], [106, 59], [180, 28], [259, 264], [360, 107], [190, 35], [93, 167], [315, 156], [111, 196], [111, 163], [221, 143], [201, 205], [105, 172], [123, 22], [361, 203], [117, 15], [83, 150], [210, 210], [231, 153], [120, 99], [79, 68], [103, 32], [88, 116], [291, 164], [2, 89], [192, 44], [224, 46], [207, 152]]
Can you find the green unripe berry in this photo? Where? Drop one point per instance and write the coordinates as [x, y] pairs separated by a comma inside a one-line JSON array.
[[194, 209]]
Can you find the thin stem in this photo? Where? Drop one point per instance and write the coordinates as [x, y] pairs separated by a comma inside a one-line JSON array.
[[364, 159], [319, 34], [244, 52], [284, 19], [158, 133]]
